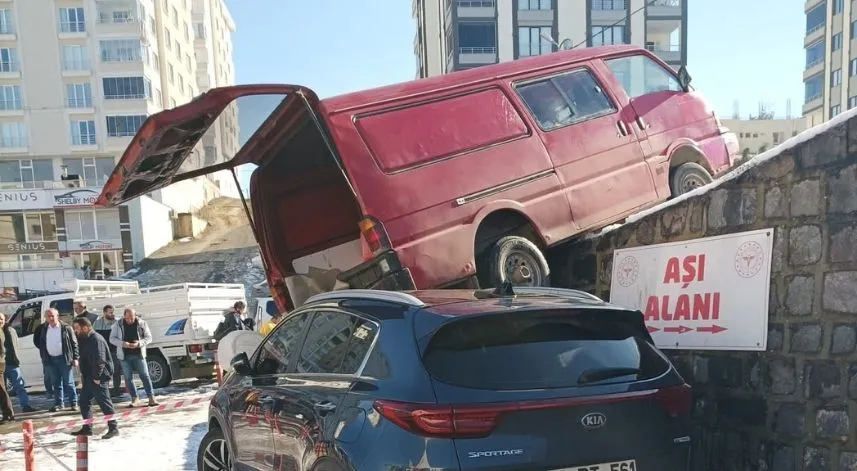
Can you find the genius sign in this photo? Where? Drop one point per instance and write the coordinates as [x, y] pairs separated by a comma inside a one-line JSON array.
[[703, 294]]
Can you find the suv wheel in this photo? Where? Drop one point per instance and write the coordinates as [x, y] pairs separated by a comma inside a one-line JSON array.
[[213, 453], [518, 260], [688, 177]]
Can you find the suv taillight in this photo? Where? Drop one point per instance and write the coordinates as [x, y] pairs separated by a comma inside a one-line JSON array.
[[374, 235], [676, 400], [443, 421]]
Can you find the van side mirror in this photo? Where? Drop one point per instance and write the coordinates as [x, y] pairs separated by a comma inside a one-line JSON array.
[[684, 78], [241, 364]]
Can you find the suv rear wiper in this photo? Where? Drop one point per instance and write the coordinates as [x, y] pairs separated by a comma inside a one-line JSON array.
[[600, 374]]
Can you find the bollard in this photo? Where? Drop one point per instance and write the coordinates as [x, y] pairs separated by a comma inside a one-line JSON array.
[[29, 446], [82, 453], [219, 372]]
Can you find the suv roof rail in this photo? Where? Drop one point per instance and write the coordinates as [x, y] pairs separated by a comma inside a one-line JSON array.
[[369, 294], [559, 292]]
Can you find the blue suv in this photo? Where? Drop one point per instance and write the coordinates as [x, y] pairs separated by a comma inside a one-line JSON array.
[[530, 379]]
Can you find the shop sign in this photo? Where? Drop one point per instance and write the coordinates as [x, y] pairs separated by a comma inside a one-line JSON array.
[[94, 245], [29, 247], [23, 199], [76, 197]]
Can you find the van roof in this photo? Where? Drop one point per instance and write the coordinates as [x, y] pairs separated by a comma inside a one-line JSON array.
[[397, 91]]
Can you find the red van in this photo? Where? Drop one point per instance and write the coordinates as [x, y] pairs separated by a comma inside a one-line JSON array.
[[447, 180]]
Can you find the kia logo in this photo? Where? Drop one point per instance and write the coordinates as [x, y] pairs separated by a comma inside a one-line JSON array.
[[593, 420]]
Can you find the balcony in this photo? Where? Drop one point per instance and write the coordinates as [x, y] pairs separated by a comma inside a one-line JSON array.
[[76, 67], [477, 55], [813, 68], [608, 11], [13, 144], [476, 8], [814, 34], [810, 4], [670, 53], [813, 102], [664, 8], [9, 69]]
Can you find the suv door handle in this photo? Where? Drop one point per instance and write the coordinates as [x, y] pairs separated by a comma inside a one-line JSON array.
[[643, 125], [324, 407], [623, 131]]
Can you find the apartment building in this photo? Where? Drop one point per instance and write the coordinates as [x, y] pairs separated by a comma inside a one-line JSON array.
[[461, 34], [75, 85], [758, 135], [830, 73]]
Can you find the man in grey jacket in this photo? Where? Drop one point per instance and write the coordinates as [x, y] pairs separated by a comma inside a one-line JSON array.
[[131, 335]]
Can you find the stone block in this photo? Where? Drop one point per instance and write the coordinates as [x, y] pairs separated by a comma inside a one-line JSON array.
[[805, 198], [778, 255], [843, 243], [749, 411], [805, 245], [832, 423], [816, 459], [842, 191], [776, 203], [732, 207], [781, 376], [700, 369], [775, 337], [806, 338], [789, 420], [783, 458], [825, 149], [844, 339], [674, 221], [839, 293], [698, 212], [726, 372], [822, 380], [646, 231], [847, 461], [800, 291], [852, 381]]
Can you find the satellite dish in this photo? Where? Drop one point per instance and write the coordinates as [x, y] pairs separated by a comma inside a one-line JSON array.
[[234, 343], [565, 44]]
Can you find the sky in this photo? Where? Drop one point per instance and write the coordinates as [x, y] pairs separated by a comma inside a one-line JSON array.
[[339, 46]]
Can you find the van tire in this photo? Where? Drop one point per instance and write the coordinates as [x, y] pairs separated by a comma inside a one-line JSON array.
[[688, 177], [159, 370], [516, 251]]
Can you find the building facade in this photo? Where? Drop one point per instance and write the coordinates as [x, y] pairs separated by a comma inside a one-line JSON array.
[[758, 135], [830, 72], [75, 85], [459, 34]]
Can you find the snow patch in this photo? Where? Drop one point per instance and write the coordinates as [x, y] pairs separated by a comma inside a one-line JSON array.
[[257, 261], [752, 163]]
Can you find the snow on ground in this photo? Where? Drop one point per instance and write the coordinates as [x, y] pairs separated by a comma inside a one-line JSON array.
[[736, 172], [157, 442]]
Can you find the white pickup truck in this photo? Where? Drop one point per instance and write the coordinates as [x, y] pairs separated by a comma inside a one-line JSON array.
[[182, 318]]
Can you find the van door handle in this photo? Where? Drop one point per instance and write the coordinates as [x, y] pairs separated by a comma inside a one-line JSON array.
[[643, 125], [623, 131], [324, 407]]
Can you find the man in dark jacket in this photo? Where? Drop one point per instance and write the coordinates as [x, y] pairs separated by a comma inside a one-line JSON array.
[[96, 369], [103, 326], [13, 374], [231, 322], [80, 310], [60, 352], [5, 403]]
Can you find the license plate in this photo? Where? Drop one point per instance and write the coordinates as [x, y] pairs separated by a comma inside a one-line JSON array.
[[629, 465]]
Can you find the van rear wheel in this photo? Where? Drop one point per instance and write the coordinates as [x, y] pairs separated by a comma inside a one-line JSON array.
[[518, 260], [688, 177]]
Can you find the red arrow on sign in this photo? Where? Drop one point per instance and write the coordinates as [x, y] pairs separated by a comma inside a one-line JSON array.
[[677, 330], [714, 329], [652, 329]]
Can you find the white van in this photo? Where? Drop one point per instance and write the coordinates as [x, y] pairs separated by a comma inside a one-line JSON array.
[[182, 318]]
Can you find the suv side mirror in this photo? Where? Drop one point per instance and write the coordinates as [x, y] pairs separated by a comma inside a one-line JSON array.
[[241, 364], [684, 78]]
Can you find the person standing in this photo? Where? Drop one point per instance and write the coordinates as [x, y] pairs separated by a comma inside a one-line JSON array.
[[103, 326], [13, 373], [60, 352], [96, 370], [5, 402], [131, 335], [81, 311], [268, 326], [46, 372], [231, 322]]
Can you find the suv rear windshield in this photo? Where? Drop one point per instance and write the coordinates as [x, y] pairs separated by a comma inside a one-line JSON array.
[[536, 350]]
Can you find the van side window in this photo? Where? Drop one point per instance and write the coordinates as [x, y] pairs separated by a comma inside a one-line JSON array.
[[565, 99], [65, 308], [640, 75], [29, 317]]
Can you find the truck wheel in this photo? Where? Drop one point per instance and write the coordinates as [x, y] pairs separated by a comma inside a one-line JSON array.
[[518, 260], [688, 177], [159, 371]]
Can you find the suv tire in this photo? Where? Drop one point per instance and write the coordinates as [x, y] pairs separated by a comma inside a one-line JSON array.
[[515, 252], [212, 448]]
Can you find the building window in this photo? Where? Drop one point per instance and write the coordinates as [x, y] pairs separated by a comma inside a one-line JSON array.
[[836, 42], [10, 97], [815, 18], [41, 227], [168, 39], [156, 62], [852, 102], [835, 110], [179, 49], [813, 88], [535, 4], [532, 42], [199, 30], [75, 57], [853, 34], [171, 73], [159, 99], [26, 173], [188, 63], [815, 53], [72, 20], [13, 135], [92, 225], [608, 4], [835, 78], [99, 265], [124, 126], [566, 99], [175, 18], [606, 35], [83, 133], [93, 171], [127, 88], [181, 82], [186, 32], [7, 22], [8, 59], [172, 102], [837, 6], [852, 67], [78, 95], [477, 38], [121, 50]]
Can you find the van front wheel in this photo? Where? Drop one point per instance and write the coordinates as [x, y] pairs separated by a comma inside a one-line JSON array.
[[688, 177], [518, 260]]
